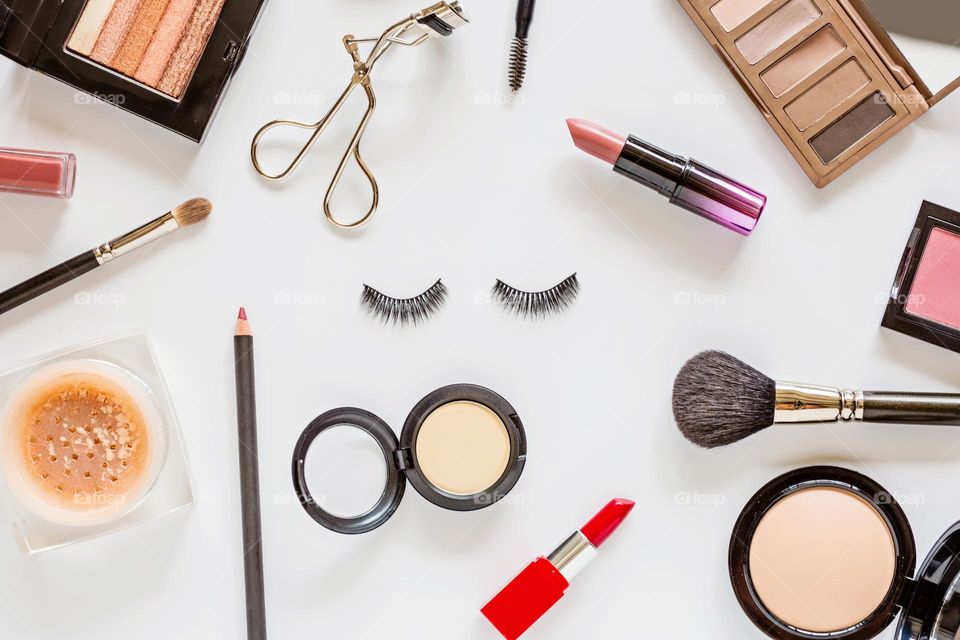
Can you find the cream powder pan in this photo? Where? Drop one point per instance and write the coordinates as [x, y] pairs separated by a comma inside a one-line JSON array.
[[822, 559]]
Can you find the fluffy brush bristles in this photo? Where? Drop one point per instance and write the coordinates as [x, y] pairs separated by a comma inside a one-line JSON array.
[[719, 400], [192, 211], [518, 62]]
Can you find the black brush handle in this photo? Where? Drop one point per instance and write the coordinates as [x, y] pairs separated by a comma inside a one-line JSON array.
[[525, 17], [911, 408], [250, 488], [47, 281]]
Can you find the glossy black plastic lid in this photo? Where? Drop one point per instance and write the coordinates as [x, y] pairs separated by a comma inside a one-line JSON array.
[[933, 612], [400, 458], [806, 478]]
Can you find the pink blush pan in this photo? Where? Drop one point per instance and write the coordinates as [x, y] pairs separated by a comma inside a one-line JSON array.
[[935, 294]]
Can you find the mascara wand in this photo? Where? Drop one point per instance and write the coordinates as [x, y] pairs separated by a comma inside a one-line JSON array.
[[518, 50]]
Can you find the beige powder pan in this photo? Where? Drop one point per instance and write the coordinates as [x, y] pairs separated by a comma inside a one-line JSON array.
[[462, 447], [825, 553]]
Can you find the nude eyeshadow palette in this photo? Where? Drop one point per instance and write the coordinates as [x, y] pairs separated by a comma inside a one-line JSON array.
[[169, 61]]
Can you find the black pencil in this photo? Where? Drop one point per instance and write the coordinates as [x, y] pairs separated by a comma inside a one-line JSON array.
[[249, 479]]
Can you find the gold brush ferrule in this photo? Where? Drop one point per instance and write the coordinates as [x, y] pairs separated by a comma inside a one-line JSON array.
[[810, 403], [162, 226]]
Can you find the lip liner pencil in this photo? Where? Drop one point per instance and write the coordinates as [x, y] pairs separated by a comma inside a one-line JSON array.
[[249, 479]]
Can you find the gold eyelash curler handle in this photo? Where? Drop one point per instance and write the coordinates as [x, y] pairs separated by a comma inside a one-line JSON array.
[[439, 20]]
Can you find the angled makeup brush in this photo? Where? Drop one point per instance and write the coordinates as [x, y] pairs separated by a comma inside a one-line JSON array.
[[719, 400], [520, 45], [188, 213]]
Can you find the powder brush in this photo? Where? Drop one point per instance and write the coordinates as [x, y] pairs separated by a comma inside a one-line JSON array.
[[719, 400], [186, 214]]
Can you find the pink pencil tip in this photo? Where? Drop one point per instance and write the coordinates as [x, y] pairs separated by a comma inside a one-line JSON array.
[[243, 314], [593, 139]]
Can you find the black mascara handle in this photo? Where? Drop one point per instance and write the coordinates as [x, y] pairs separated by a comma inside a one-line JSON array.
[[911, 408], [47, 281], [524, 17]]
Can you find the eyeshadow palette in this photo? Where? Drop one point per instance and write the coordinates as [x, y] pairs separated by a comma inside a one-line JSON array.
[[169, 61], [830, 75], [925, 299]]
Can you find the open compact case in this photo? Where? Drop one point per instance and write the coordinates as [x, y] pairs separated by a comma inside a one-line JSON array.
[[462, 447], [836, 78], [924, 302], [168, 61], [825, 552]]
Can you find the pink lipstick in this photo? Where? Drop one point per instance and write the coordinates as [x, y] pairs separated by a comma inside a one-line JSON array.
[[687, 183], [37, 173], [541, 585]]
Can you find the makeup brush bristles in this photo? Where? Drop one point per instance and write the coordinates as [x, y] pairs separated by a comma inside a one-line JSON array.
[[719, 400], [518, 62], [192, 211]]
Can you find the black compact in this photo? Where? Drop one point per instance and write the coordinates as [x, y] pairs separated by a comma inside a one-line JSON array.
[[927, 601], [40, 35], [922, 302], [462, 447]]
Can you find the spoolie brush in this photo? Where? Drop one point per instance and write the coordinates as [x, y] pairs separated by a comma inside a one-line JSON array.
[[188, 213], [719, 400], [521, 44]]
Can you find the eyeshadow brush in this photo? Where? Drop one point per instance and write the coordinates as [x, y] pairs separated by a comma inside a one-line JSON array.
[[186, 214], [719, 400]]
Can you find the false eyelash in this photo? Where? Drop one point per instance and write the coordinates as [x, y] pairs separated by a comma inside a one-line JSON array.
[[406, 311], [537, 304]]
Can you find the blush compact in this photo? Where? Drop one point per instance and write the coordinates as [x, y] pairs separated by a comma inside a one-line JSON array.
[[827, 553], [462, 447], [924, 302]]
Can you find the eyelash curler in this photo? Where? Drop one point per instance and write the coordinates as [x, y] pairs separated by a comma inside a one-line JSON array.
[[438, 20]]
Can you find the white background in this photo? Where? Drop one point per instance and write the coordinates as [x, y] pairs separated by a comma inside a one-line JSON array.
[[474, 189]]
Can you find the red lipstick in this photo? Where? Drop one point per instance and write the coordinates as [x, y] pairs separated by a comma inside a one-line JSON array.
[[541, 585]]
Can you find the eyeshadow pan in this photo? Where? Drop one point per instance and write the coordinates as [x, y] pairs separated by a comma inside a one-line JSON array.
[[822, 559], [935, 294], [783, 24], [144, 26], [115, 30], [463, 448], [732, 13], [88, 28], [165, 40], [185, 57], [805, 60], [842, 84], [851, 128]]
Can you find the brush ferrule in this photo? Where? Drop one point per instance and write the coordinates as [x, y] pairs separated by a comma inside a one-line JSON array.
[[811, 403], [154, 230]]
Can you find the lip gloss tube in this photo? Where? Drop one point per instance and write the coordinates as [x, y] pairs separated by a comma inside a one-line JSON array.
[[37, 173]]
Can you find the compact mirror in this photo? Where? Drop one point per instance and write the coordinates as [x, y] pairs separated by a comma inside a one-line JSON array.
[[346, 472], [927, 34]]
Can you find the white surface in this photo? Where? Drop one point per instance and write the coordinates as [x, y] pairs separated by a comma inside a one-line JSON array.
[[486, 190]]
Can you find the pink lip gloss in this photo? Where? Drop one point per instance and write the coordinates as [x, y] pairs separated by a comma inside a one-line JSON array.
[[37, 173]]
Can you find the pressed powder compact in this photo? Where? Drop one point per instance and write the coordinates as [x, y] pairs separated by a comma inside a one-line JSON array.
[[825, 552], [83, 442], [924, 302], [462, 447], [836, 78], [168, 61]]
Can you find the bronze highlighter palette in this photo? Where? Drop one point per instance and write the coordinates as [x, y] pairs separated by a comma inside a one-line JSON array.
[[166, 60], [834, 77]]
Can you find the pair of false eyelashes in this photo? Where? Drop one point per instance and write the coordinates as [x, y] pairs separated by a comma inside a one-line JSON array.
[[529, 304]]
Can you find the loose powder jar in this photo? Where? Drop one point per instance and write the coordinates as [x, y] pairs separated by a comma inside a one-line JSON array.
[[462, 447], [83, 442]]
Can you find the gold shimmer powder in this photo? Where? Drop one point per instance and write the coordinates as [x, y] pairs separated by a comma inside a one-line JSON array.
[[463, 448], [822, 559], [83, 444]]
